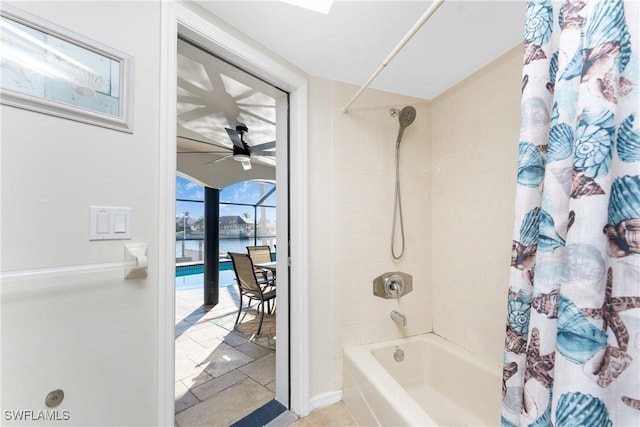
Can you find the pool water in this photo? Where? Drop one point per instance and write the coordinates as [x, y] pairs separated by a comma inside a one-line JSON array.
[[195, 281]]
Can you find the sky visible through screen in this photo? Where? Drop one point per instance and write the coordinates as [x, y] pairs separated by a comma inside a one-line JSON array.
[[246, 192]]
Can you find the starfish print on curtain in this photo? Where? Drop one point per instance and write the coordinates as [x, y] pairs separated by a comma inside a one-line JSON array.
[[615, 359], [572, 344]]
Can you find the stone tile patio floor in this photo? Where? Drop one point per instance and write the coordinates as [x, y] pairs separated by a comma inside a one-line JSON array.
[[220, 375]]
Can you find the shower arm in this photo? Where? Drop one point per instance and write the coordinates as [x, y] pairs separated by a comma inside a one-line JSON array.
[[421, 21]]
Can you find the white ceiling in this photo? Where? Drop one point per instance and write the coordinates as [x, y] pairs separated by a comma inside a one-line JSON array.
[[346, 45], [355, 37]]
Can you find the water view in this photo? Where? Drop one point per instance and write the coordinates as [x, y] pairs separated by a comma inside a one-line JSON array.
[[194, 249], [247, 209], [191, 251]]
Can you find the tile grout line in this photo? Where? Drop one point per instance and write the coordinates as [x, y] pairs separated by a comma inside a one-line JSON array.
[[202, 318]]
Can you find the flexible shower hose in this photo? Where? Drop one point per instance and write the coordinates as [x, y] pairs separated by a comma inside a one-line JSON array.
[[397, 208]]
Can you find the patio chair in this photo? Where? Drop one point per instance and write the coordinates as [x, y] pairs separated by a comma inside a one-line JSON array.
[[248, 285], [262, 254]]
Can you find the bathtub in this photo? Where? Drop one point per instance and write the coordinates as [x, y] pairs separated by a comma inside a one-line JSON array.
[[436, 384]]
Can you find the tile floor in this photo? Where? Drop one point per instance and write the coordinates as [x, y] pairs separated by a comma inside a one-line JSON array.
[[220, 375], [335, 415]]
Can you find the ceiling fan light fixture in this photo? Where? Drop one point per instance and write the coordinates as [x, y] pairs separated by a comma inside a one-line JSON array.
[[241, 154], [241, 157]]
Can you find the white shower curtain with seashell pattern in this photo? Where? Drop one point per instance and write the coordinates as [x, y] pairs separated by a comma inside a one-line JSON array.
[[572, 347]]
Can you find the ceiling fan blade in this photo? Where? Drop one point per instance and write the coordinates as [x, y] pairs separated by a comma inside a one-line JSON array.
[[218, 160], [263, 147], [202, 152], [234, 137], [222, 147]]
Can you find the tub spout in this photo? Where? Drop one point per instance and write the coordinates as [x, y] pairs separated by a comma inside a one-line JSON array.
[[399, 317]]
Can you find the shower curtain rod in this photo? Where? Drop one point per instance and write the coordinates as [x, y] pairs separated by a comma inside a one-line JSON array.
[[423, 19]]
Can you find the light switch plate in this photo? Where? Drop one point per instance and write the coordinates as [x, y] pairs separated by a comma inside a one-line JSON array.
[[109, 223]]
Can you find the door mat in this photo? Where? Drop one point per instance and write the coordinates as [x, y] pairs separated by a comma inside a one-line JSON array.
[[248, 326], [262, 415]]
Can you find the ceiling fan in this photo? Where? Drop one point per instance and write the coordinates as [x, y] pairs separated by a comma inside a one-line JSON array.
[[241, 151]]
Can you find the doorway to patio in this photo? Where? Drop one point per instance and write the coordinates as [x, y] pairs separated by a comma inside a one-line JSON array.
[[292, 363], [220, 355], [229, 126]]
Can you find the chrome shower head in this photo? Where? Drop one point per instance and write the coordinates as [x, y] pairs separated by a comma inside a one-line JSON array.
[[406, 117]]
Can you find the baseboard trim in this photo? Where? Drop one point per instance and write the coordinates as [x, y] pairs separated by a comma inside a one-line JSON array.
[[326, 399]]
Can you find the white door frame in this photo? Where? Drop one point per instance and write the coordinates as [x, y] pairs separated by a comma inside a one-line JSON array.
[[180, 18]]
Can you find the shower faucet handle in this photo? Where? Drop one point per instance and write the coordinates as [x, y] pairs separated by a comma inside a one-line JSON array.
[[392, 285]]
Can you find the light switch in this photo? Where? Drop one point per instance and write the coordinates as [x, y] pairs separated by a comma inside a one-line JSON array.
[[104, 222], [119, 223], [109, 223]]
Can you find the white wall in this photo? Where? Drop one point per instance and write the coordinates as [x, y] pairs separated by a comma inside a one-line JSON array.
[[321, 230], [475, 133], [361, 180], [92, 335], [96, 337]]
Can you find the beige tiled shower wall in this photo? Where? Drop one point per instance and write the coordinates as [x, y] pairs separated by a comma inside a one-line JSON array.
[[474, 133], [362, 193], [458, 166]]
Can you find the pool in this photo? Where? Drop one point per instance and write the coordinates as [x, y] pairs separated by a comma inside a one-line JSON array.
[[191, 277]]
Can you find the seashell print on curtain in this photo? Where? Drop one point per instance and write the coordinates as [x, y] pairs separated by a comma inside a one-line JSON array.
[[572, 345]]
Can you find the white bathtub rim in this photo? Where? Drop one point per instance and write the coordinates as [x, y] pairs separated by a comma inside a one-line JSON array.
[[432, 337], [412, 414], [386, 385]]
